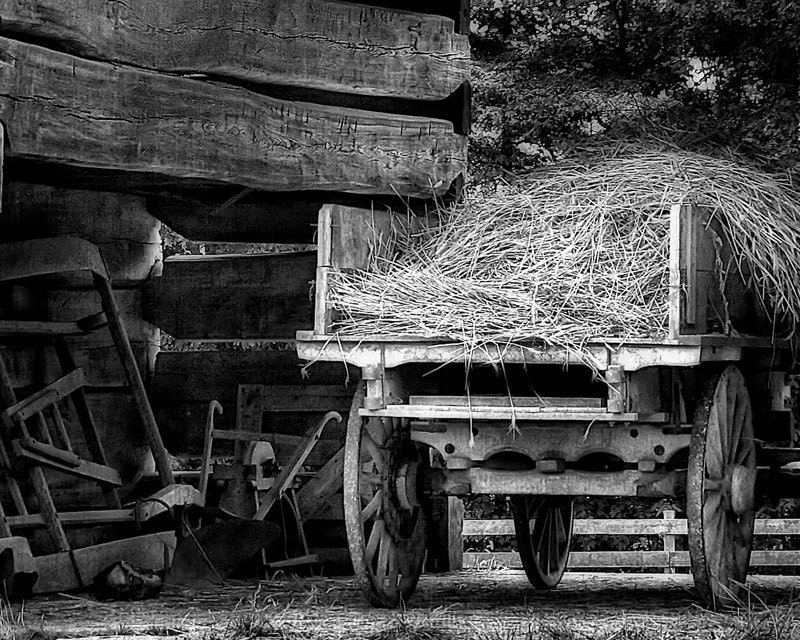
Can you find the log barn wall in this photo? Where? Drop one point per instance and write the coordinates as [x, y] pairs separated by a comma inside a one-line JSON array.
[[229, 122]]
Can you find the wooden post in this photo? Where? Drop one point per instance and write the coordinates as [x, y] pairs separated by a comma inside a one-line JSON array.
[[669, 538], [445, 543]]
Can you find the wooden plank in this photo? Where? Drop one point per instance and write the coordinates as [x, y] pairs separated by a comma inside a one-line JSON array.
[[258, 296], [628, 559], [153, 551], [311, 43], [629, 526], [504, 401], [80, 469], [445, 544], [322, 313], [674, 296], [357, 235], [134, 378], [557, 414], [38, 328], [91, 435], [456, 10], [52, 393], [91, 114], [75, 518]]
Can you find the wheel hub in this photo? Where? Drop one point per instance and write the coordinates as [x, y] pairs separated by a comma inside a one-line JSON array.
[[406, 485], [742, 489], [401, 499]]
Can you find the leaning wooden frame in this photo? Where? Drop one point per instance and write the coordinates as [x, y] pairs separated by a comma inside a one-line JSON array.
[[676, 417]]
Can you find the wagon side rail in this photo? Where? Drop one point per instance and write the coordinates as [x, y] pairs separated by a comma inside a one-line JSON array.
[[709, 293], [669, 528]]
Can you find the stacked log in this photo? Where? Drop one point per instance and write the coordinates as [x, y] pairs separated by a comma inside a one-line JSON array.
[[229, 122]]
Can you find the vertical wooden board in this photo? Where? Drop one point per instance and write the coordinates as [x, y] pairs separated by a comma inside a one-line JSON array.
[[445, 544], [359, 234], [674, 301]]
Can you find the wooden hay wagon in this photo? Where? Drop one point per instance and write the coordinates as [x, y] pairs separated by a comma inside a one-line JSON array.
[[688, 415]]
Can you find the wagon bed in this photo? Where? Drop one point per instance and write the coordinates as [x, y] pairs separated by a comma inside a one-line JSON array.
[[671, 416]]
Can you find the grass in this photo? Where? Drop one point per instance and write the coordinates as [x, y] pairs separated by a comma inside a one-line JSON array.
[[14, 627], [606, 611]]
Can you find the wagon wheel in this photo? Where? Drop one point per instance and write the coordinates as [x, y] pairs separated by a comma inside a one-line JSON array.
[[383, 516], [721, 488], [543, 525]]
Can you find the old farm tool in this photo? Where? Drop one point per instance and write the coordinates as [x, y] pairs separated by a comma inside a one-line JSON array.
[[236, 530]]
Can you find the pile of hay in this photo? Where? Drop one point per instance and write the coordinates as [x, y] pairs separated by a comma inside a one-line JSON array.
[[573, 253]]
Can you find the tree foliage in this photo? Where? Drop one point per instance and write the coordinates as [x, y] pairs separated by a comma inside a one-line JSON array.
[[551, 75]]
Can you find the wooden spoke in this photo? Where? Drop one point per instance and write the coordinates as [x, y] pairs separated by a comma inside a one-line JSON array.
[[372, 506], [543, 526], [386, 539], [374, 540], [720, 483], [371, 447]]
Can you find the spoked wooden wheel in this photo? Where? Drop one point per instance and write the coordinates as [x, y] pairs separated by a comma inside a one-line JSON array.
[[543, 525], [720, 485], [383, 516]]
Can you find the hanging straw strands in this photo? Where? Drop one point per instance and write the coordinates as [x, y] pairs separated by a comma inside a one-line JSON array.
[[571, 254]]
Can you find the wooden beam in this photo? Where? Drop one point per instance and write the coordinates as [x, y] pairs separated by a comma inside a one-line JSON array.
[[76, 112], [230, 297], [333, 46], [456, 10]]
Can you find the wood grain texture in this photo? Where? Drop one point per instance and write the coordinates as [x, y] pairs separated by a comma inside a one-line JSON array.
[[332, 46], [92, 114]]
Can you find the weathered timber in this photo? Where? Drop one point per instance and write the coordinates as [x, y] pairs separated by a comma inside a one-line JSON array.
[[457, 10], [333, 46], [76, 112], [230, 297], [127, 235], [57, 572]]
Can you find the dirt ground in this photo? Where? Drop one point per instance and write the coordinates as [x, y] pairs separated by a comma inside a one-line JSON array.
[[490, 605]]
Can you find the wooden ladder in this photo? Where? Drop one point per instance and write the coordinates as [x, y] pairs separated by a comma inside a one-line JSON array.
[[34, 434]]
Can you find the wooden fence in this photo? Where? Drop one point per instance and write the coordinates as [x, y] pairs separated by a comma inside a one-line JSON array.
[[667, 558]]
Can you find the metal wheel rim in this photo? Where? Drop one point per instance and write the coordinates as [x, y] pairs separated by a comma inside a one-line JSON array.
[[387, 547], [720, 541], [543, 526]]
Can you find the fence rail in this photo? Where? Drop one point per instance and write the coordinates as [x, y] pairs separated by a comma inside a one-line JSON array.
[[669, 528]]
